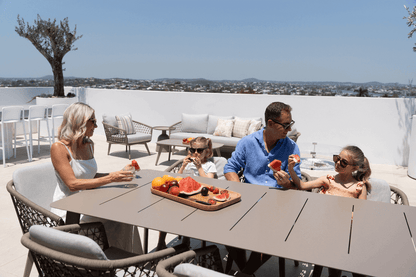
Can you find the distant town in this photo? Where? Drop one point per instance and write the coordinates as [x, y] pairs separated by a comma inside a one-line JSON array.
[[246, 86]]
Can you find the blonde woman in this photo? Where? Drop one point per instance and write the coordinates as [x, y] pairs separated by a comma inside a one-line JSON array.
[[76, 169]]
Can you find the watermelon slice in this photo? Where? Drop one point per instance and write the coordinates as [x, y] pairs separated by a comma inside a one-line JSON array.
[[222, 197], [297, 158], [189, 186], [275, 165]]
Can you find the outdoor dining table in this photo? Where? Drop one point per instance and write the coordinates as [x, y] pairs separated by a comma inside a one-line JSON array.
[[366, 237]]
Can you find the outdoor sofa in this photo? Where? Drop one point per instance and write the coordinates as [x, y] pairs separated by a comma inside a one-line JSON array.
[[227, 130]]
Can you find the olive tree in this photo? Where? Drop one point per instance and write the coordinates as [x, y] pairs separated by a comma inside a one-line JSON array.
[[411, 22], [53, 41]]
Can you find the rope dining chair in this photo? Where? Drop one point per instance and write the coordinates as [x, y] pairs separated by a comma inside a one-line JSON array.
[[37, 114], [12, 114], [57, 113]]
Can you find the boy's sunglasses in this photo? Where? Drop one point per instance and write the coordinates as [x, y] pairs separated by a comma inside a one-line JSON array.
[[198, 150], [342, 162]]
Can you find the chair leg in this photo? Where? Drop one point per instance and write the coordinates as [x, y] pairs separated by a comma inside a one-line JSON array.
[[109, 146], [129, 153], [49, 133], [28, 266], [38, 137], [282, 267], [229, 263], [30, 138], [317, 271], [3, 144], [27, 146], [148, 151]]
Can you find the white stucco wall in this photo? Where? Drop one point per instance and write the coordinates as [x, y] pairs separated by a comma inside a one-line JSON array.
[[381, 127]]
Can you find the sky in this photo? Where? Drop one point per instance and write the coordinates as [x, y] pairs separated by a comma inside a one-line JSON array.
[[279, 40]]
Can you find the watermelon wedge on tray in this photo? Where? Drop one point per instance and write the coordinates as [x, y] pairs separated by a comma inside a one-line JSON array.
[[222, 197], [275, 165], [189, 186]]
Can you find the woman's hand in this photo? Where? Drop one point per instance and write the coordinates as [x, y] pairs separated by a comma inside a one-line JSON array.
[[121, 176]]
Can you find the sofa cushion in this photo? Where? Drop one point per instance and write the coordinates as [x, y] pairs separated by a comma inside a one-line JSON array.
[[380, 190], [224, 127], [194, 123], [138, 137], [111, 120], [125, 122], [68, 243], [255, 125], [240, 127], [213, 121], [227, 141]]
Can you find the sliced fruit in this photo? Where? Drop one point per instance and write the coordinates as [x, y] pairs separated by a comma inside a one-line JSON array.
[[189, 186], [212, 201], [222, 197], [275, 165], [135, 164], [216, 191], [297, 158]]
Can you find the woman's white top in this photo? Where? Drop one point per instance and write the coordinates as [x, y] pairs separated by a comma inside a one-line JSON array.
[[83, 169], [208, 167]]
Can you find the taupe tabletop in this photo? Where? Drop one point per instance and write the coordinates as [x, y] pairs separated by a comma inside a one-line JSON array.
[[354, 235], [169, 143]]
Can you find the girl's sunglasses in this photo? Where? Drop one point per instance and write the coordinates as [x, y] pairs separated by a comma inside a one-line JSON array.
[[342, 162], [198, 150]]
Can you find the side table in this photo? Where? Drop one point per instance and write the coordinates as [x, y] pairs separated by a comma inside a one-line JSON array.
[[163, 136]]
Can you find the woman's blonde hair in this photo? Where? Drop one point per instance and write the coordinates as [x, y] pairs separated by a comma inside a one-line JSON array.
[[74, 124], [208, 144]]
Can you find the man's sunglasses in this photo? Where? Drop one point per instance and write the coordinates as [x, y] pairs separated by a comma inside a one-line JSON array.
[[285, 126], [198, 150], [342, 162]]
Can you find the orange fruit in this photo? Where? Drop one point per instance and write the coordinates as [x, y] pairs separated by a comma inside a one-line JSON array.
[[167, 178], [157, 182]]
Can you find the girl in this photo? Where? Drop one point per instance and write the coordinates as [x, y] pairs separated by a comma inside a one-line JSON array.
[[200, 149], [351, 181], [197, 159]]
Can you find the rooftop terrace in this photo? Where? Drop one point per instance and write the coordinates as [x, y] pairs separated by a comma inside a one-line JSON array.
[[381, 127]]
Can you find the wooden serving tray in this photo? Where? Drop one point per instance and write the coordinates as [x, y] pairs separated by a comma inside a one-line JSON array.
[[190, 200]]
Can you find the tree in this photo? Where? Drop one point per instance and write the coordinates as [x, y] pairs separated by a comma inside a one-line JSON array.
[[53, 41], [411, 22]]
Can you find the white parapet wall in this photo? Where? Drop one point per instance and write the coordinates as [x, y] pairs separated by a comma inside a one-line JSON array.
[[381, 127]]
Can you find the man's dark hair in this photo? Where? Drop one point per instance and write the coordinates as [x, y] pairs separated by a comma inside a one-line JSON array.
[[274, 110]]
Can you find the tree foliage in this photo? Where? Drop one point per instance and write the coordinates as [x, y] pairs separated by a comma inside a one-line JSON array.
[[411, 22], [53, 41]]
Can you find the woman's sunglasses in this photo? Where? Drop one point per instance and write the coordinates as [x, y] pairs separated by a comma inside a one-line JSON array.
[[198, 150], [94, 121], [342, 162]]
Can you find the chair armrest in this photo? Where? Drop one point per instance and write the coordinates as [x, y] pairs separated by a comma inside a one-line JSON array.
[[177, 126], [174, 168], [397, 195], [207, 257], [120, 137], [142, 128]]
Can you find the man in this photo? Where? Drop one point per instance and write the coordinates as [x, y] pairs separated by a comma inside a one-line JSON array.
[[253, 154]]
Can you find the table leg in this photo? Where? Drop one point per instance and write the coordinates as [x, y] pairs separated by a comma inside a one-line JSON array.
[[72, 218], [170, 150], [158, 154], [146, 240], [218, 152]]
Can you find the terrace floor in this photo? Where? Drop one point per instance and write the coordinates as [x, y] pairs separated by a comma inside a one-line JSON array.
[[13, 254]]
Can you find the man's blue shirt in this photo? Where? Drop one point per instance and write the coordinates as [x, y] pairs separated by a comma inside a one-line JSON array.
[[251, 154]]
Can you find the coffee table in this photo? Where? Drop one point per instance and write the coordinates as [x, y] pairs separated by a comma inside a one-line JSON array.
[[178, 142]]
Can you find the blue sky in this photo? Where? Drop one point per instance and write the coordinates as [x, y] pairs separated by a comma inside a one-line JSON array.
[[281, 40]]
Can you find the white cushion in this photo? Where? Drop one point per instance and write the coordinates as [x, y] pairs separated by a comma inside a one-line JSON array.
[[255, 125], [125, 122], [240, 127], [213, 121], [194, 123], [224, 127], [380, 191], [65, 242], [111, 120], [191, 270], [138, 137]]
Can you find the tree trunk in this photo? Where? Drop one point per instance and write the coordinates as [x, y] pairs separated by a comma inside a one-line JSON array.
[[58, 77]]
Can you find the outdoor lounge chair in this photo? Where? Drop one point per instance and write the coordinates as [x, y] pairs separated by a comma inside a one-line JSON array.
[[126, 131], [204, 261], [83, 250], [31, 190]]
